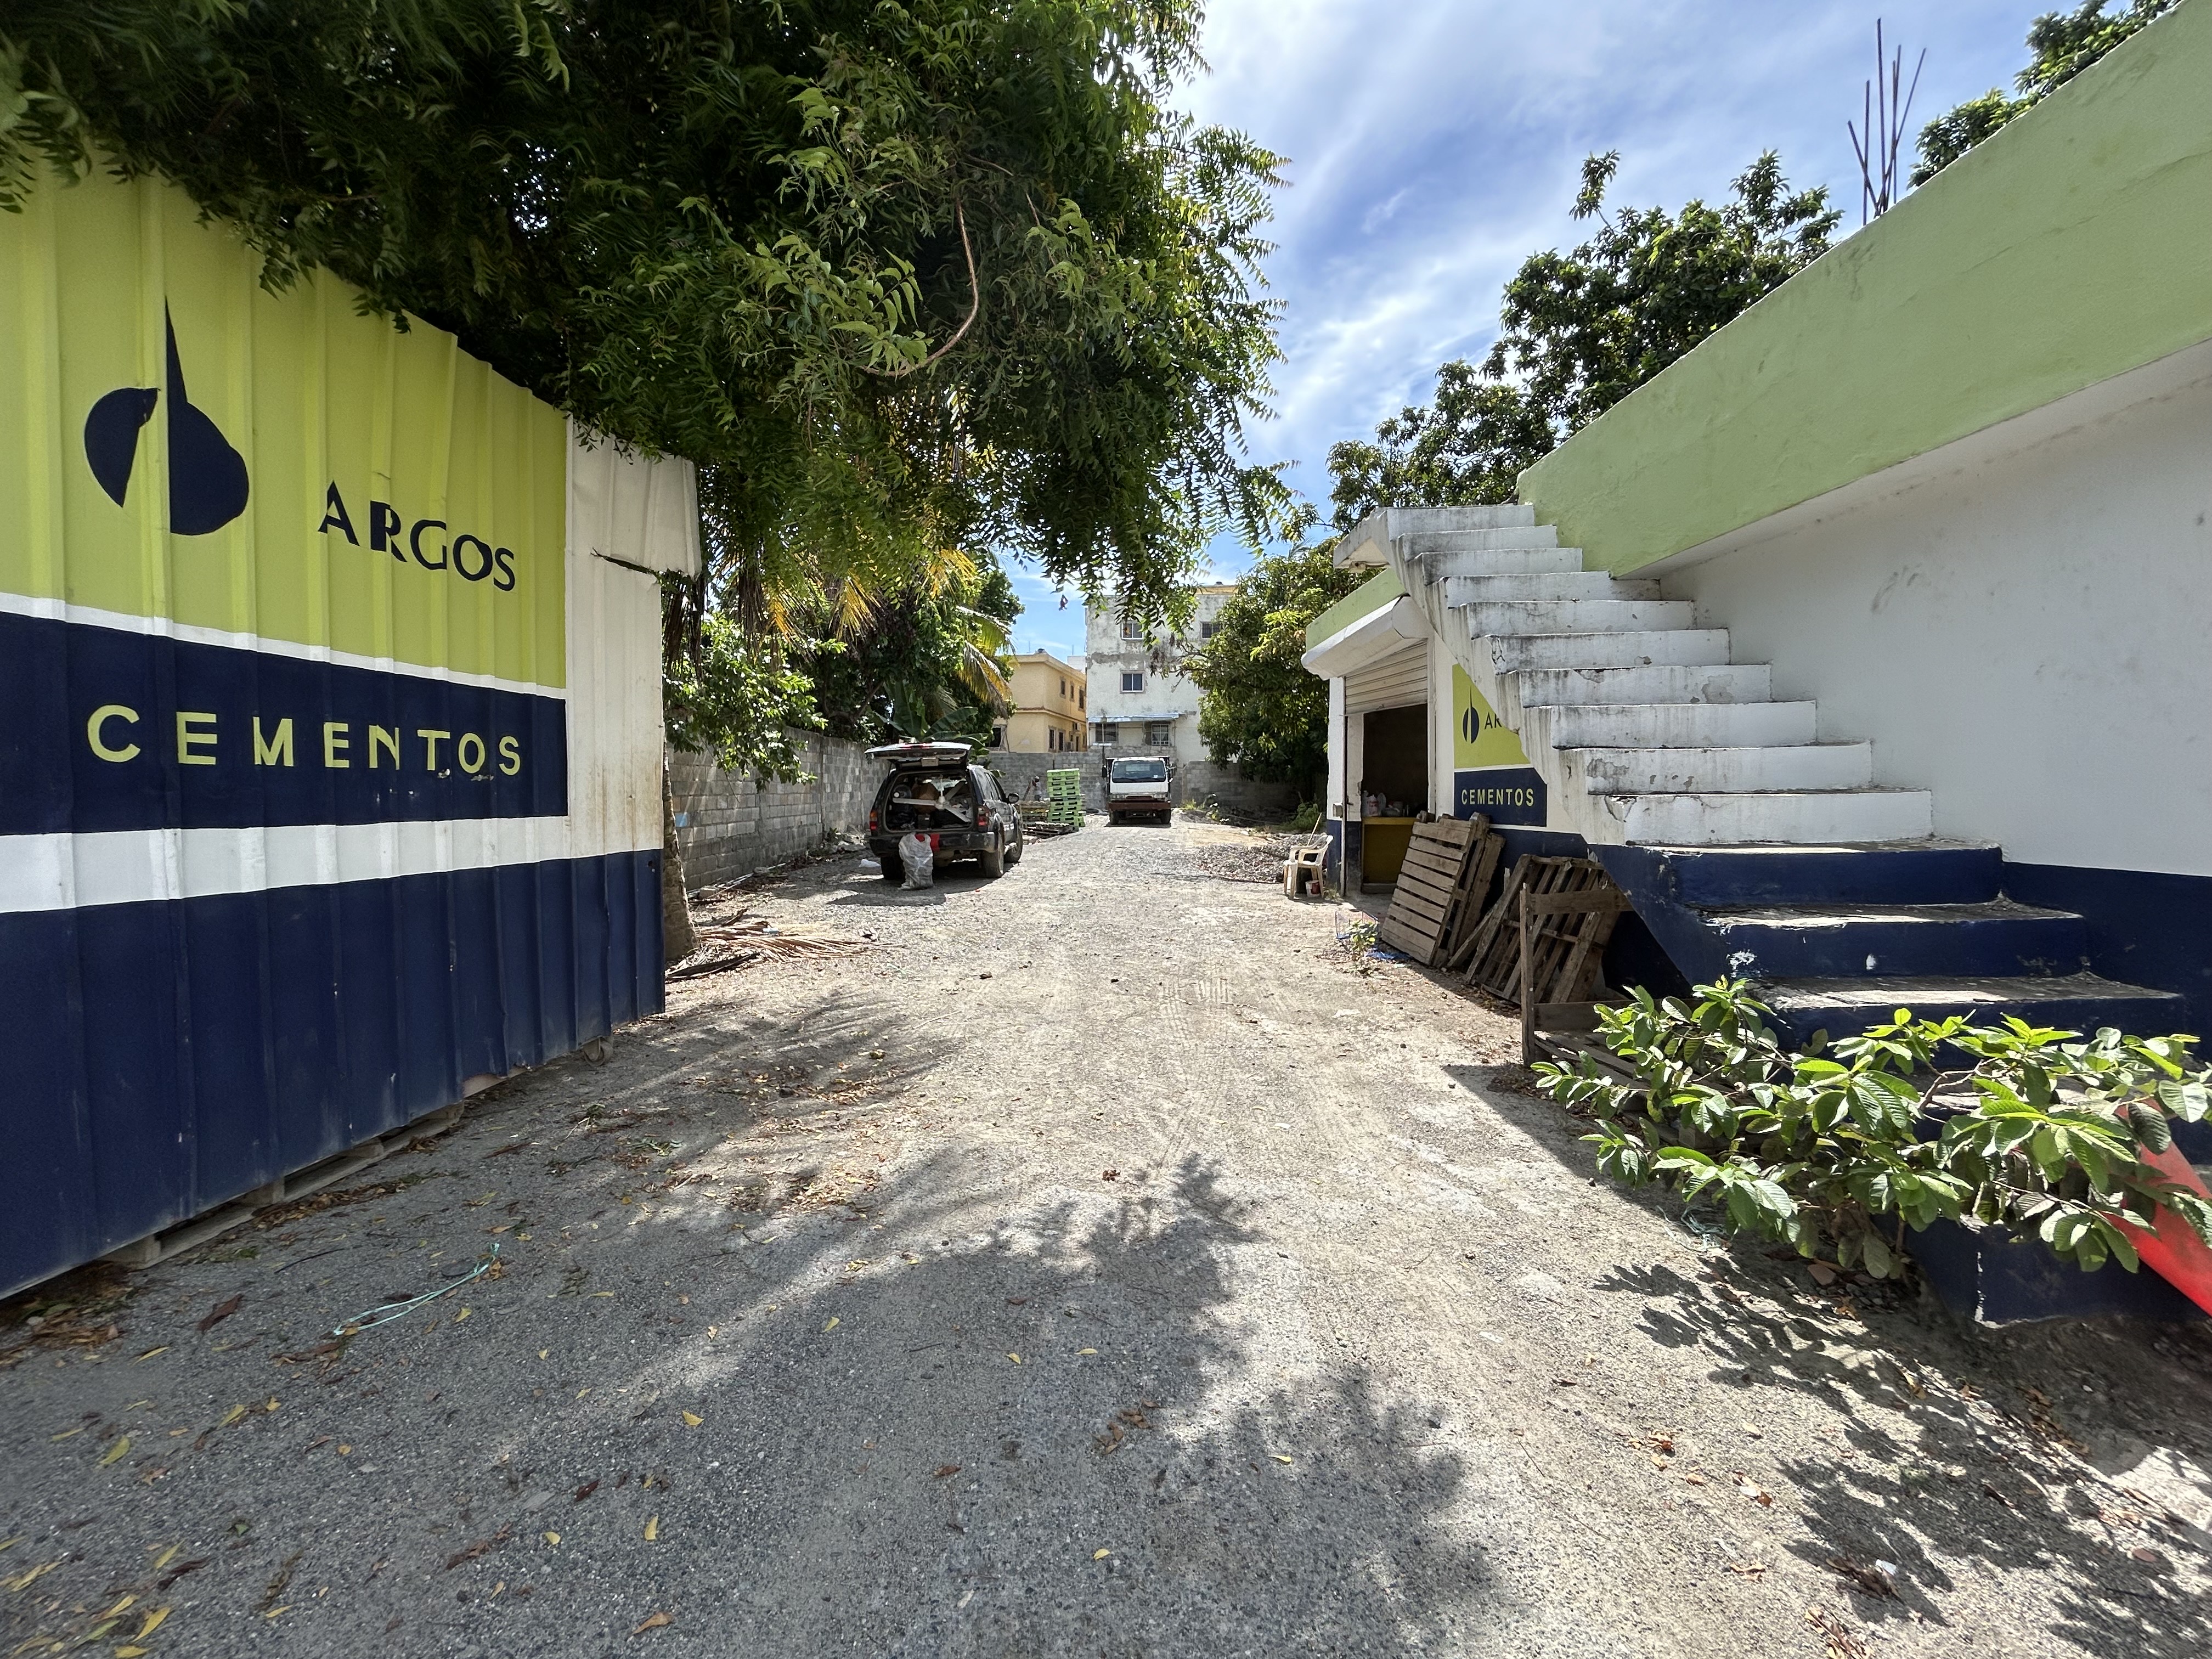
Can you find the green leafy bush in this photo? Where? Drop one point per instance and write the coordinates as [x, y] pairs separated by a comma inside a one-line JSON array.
[[736, 701], [1841, 1150]]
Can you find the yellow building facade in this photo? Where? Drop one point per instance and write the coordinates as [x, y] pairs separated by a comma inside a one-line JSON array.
[[1050, 706]]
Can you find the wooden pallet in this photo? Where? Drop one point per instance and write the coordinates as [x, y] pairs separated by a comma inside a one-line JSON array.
[[1562, 937], [1547, 933], [1449, 863]]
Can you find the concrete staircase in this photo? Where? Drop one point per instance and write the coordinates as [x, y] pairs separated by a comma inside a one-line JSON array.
[[1750, 848]]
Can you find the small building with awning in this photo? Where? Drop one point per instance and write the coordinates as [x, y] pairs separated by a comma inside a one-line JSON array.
[[1408, 730]]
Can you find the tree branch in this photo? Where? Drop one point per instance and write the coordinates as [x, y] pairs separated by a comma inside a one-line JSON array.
[[975, 305]]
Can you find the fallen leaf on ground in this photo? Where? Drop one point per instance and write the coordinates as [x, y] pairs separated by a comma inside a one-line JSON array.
[[944, 1469], [221, 1311], [692, 1419], [652, 1528], [116, 1451], [1100, 1555], [1822, 1273], [1694, 1478], [1015, 1358], [1080, 1352], [153, 1623], [463, 1314], [653, 1622], [150, 1352], [275, 1612], [586, 1490], [23, 1581], [833, 1323], [166, 1557], [1279, 1457], [67, 1434], [553, 1539], [2148, 1556], [235, 1414], [1749, 1569]]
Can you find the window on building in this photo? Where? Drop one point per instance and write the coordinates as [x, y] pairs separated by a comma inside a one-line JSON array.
[[1080, 703], [1109, 732], [998, 737], [1063, 687], [1158, 731], [1052, 738], [1206, 630], [1132, 682], [1132, 628]]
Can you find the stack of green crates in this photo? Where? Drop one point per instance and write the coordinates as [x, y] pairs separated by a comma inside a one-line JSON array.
[[1063, 793]]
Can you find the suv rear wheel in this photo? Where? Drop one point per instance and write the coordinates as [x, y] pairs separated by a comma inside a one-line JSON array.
[[892, 869], [993, 859]]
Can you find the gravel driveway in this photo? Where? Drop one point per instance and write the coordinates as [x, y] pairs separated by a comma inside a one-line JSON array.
[[1099, 1261]]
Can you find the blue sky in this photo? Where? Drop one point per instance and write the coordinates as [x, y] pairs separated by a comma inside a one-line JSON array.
[[1434, 145]]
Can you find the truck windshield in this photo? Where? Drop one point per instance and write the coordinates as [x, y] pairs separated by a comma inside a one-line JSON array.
[[1141, 771]]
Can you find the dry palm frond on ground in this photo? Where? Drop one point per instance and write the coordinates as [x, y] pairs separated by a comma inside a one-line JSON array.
[[733, 943]]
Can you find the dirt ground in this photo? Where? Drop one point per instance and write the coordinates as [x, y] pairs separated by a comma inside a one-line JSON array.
[[1102, 1261]]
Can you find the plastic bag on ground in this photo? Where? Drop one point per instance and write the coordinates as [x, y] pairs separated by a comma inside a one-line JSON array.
[[915, 856]]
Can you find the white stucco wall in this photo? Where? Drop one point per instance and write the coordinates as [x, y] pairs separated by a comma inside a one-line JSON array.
[[2021, 623]]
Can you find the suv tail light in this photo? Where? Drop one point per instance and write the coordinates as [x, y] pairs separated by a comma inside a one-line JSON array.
[[875, 820]]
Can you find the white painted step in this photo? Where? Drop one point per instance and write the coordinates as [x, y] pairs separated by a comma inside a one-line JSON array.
[[1428, 545], [1669, 724], [1555, 584], [1501, 561], [1722, 771], [1444, 521], [1537, 687], [1627, 648], [1576, 617], [1793, 817]]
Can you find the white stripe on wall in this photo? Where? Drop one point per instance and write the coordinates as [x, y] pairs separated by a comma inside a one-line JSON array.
[[22, 604], [63, 871]]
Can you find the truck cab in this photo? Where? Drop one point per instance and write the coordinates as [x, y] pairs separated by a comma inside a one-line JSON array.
[[1137, 786]]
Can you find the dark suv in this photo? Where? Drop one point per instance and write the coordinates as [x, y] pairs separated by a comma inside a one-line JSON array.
[[933, 791]]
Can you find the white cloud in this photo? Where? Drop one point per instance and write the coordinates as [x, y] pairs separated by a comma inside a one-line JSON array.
[[1436, 143]]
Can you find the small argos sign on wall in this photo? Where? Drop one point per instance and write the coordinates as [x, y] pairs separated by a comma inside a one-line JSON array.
[[1490, 774]]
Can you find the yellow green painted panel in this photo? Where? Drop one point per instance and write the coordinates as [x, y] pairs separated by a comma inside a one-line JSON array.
[[178, 443], [1480, 738]]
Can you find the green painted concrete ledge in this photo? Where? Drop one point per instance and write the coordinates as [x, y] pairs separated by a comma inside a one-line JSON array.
[[1371, 596], [2073, 246]]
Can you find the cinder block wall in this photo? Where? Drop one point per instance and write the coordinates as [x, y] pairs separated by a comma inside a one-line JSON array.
[[728, 826], [1193, 780]]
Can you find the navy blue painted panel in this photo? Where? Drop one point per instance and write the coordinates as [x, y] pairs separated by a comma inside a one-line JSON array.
[[235, 1038], [2145, 927], [114, 730], [1509, 794], [51, 1202]]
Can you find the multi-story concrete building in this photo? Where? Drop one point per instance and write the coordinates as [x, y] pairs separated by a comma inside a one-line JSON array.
[[1145, 702], [1048, 708]]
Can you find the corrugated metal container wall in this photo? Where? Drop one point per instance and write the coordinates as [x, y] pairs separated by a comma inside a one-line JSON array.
[[330, 757]]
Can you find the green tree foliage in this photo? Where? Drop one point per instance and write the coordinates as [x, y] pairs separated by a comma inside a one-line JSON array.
[[1580, 331], [1259, 709], [733, 698], [943, 273], [2061, 45], [1838, 1153], [928, 661]]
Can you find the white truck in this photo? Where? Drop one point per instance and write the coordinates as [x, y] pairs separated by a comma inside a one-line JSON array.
[[1137, 788]]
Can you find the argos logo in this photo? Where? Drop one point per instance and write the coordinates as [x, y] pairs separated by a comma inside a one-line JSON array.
[[208, 484], [469, 557]]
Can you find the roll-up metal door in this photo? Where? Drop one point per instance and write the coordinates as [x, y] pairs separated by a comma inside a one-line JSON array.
[[1392, 681]]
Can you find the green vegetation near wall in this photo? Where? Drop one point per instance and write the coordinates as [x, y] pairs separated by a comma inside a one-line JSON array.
[[2073, 246]]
